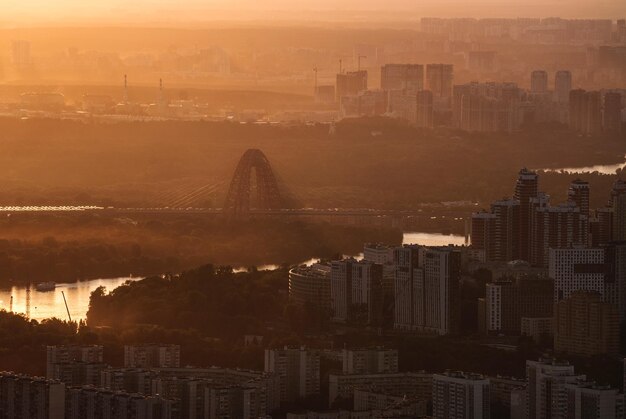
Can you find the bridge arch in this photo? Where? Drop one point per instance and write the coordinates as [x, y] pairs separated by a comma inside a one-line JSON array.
[[238, 197]]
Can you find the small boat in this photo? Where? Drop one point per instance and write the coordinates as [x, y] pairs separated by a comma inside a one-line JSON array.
[[45, 286]]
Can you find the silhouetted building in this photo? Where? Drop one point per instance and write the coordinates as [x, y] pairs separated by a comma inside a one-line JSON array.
[[601, 226], [506, 230], [592, 401], [612, 114], [427, 289], [457, 395], [351, 83], [562, 85], [370, 361], [90, 402], [311, 285], [407, 77], [546, 391], [526, 189], [439, 81], [578, 193], [578, 268], [486, 107], [539, 81], [585, 325], [508, 301], [298, 369], [356, 291], [22, 396], [558, 227], [618, 204], [585, 111], [425, 109], [69, 354], [152, 356]]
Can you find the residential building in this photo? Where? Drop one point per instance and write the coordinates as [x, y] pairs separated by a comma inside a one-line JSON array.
[[370, 361], [298, 369], [546, 391], [22, 396], [585, 325], [457, 395], [152, 356]]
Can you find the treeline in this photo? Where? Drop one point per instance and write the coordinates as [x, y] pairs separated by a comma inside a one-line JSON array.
[[65, 248], [368, 162]]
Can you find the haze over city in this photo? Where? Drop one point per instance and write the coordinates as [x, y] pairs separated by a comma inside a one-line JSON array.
[[312, 209]]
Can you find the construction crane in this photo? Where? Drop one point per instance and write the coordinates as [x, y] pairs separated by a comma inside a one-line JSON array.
[[28, 301], [66, 307]]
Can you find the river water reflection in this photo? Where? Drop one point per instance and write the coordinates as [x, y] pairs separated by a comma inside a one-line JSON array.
[[607, 169], [50, 304]]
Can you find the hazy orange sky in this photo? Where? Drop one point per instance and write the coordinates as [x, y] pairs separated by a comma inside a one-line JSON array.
[[34, 11]]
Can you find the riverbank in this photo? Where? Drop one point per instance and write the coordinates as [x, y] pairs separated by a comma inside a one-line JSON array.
[[65, 248]]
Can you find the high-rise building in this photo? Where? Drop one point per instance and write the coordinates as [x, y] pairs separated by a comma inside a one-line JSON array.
[[558, 227], [591, 401], [427, 289], [539, 81], [483, 231], [437, 293], [508, 301], [408, 77], [311, 285], [351, 83], [618, 203], [506, 230], [20, 54], [457, 395], [370, 361], [378, 253], [577, 109], [601, 226], [615, 276], [526, 189], [585, 325], [578, 193], [298, 369], [340, 289], [425, 109], [22, 396], [152, 356], [585, 111], [406, 274], [562, 85], [439, 81], [593, 113], [546, 391], [612, 112], [578, 268], [71, 354], [487, 107], [356, 291]]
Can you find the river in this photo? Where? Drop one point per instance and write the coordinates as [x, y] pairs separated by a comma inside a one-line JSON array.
[[50, 304], [607, 169]]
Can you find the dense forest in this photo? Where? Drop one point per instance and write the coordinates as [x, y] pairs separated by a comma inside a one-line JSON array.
[[373, 163], [65, 248]]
